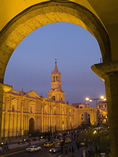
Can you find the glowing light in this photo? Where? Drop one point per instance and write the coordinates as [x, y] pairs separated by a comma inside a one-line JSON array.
[[101, 97], [87, 98], [94, 132]]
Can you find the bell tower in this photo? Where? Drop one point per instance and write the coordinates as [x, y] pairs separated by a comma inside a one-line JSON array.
[[56, 93]]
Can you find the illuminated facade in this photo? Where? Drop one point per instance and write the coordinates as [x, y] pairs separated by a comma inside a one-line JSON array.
[[24, 112], [28, 112]]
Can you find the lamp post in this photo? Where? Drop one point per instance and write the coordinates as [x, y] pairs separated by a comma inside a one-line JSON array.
[[100, 98], [96, 99]]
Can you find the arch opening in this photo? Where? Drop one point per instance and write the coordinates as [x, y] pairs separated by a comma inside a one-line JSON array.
[[46, 13]]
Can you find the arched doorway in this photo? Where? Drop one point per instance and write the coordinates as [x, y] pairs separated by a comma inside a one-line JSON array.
[[85, 118], [31, 125]]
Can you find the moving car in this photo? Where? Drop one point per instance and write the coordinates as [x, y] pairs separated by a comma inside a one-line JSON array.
[[55, 149], [48, 144], [33, 148]]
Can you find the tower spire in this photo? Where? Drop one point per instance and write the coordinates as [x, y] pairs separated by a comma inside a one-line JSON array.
[[55, 68], [55, 61]]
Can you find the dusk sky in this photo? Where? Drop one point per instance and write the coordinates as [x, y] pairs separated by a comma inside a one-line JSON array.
[[75, 49]]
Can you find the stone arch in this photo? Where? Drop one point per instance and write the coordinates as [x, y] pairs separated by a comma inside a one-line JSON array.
[[91, 111], [45, 13], [85, 118], [31, 125]]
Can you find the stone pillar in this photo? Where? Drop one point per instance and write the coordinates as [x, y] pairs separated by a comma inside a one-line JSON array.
[[22, 129], [109, 73], [6, 121], [111, 84], [3, 88], [42, 117]]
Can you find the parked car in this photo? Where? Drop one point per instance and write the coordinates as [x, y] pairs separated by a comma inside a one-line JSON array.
[[33, 148], [82, 144], [68, 140], [55, 149], [48, 144]]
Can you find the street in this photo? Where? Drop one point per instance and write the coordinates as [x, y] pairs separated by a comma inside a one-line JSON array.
[[44, 152]]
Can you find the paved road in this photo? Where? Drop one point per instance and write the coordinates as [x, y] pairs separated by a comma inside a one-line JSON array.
[[45, 153]]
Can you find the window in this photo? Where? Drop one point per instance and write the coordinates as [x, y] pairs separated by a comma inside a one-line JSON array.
[[56, 78], [30, 109], [53, 98], [53, 78], [13, 108]]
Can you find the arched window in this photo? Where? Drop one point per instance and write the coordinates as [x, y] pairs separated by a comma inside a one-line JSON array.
[[53, 78], [53, 98]]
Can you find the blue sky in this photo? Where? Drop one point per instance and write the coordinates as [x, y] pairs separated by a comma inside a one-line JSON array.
[[75, 49]]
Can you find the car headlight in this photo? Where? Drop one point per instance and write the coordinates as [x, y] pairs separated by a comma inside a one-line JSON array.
[[50, 150], [54, 150]]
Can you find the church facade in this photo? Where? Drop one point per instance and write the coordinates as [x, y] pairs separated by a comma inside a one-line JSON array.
[[28, 112]]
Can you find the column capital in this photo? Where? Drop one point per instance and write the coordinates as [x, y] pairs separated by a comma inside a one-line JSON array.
[[105, 69]]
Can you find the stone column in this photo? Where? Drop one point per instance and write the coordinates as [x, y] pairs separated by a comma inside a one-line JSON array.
[[22, 129], [109, 73], [6, 121], [42, 117], [111, 84]]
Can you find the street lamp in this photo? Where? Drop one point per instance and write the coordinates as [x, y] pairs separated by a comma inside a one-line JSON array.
[[100, 98]]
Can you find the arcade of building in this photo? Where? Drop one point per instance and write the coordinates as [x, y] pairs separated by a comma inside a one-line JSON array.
[[19, 18]]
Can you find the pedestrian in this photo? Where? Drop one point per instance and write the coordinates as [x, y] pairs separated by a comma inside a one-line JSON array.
[[73, 149], [62, 149], [70, 149], [29, 143], [66, 149], [18, 142], [7, 148]]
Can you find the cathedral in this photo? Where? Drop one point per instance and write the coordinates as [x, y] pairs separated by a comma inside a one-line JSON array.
[[29, 112]]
